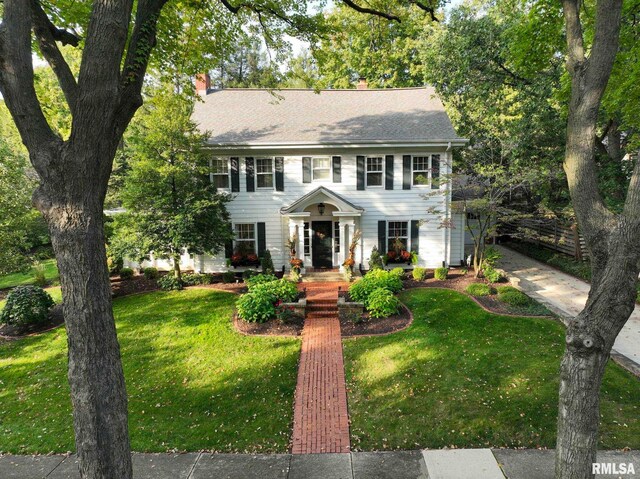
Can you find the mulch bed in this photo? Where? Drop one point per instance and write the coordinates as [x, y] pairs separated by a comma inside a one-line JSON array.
[[270, 328], [376, 326], [137, 284]]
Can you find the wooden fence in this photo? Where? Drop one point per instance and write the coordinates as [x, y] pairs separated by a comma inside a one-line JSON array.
[[551, 234]]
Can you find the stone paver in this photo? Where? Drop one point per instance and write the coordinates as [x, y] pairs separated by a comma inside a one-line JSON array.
[[320, 416], [388, 465], [565, 295], [461, 464]]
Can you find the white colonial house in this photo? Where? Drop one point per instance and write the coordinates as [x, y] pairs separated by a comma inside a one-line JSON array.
[[317, 166]]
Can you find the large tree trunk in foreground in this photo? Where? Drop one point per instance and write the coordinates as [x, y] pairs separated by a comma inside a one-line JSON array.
[[612, 241], [98, 394]]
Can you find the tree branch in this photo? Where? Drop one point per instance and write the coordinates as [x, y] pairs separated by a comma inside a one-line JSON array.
[[16, 79], [370, 11], [427, 8], [512, 74], [44, 32], [575, 42]]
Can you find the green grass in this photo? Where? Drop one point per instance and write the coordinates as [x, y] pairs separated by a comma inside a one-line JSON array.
[[463, 377], [193, 382], [20, 279]]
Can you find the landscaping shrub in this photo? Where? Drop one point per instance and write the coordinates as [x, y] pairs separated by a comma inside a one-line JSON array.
[[257, 306], [26, 305], [150, 273], [249, 273], [196, 279], [382, 303], [169, 282], [282, 289], [254, 281], [491, 257], [478, 289], [399, 272], [512, 296], [266, 263], [361, 289], [419, 273], [228, 277], [492, 275], [375, 261], [126, 273], [441, 273]]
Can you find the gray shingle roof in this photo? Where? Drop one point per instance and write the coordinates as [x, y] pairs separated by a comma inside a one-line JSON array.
[[254, 116]]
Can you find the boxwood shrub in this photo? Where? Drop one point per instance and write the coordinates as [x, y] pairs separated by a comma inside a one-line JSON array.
[[150, 273], [126, 273], [26, 306], [479, 289], [512, 296]]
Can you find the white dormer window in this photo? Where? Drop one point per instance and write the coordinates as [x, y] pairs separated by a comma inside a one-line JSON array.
[[374, 171], [220, 173], [321, 168], [264, 172]]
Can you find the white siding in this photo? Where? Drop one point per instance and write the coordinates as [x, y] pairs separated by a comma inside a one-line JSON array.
[[378, 203]]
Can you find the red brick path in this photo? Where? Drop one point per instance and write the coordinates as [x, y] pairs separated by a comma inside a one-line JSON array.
[[320, 418]]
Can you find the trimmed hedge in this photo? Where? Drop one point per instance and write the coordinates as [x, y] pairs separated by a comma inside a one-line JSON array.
[[441, 273], [479, 289], [419, 273], [26, 305]]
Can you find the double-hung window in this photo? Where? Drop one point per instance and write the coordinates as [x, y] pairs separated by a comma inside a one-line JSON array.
[[397, 235], [420, 170], [246, 238], [374, 171], [321, 168], [264, 172], [220, 173]]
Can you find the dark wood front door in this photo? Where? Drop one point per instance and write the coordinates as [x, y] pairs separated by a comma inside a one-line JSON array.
[[322, 253]]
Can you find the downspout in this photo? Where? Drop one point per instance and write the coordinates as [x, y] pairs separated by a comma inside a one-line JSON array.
[[447, 214]]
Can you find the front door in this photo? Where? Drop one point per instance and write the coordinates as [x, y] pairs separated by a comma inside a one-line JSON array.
[[321, 250]]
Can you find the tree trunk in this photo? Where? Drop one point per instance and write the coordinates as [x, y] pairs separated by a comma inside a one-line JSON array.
[[72, 206], [176, 266]]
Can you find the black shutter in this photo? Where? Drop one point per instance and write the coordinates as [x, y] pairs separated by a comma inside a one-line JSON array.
[[415, 238], [251, 174], [388, 172], [435, 172], [360, 172], [382, 237], [261, 246], [279, 163], [337, 169], [306, 169], [406, 172], [235, 174]]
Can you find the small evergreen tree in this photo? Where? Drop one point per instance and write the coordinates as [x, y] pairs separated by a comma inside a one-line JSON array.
[[266, 262], [375, 261]]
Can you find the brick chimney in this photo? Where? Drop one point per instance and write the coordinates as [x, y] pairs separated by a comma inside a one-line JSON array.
[[203, 83], [362, 84]]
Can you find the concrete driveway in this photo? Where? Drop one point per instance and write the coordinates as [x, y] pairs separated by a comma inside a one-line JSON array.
[[566, 296]]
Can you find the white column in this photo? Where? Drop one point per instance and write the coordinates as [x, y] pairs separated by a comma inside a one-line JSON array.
[[343, 242], [351, 227]]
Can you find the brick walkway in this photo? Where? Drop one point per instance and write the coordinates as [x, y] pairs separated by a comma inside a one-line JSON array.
[[321, 421]]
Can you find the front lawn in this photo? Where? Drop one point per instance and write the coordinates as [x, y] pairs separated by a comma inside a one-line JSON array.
[[193, 382], [463, 377], [20, 279]]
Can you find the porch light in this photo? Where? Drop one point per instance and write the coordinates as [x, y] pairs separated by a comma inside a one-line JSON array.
[[321, 208]]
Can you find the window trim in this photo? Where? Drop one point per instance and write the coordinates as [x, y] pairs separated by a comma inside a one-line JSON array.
[[212, 175], [427, 171], [273, 173], [336, 237], [236, 240], [407, 237], [329, 177], [306, 238], [366, 171]]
